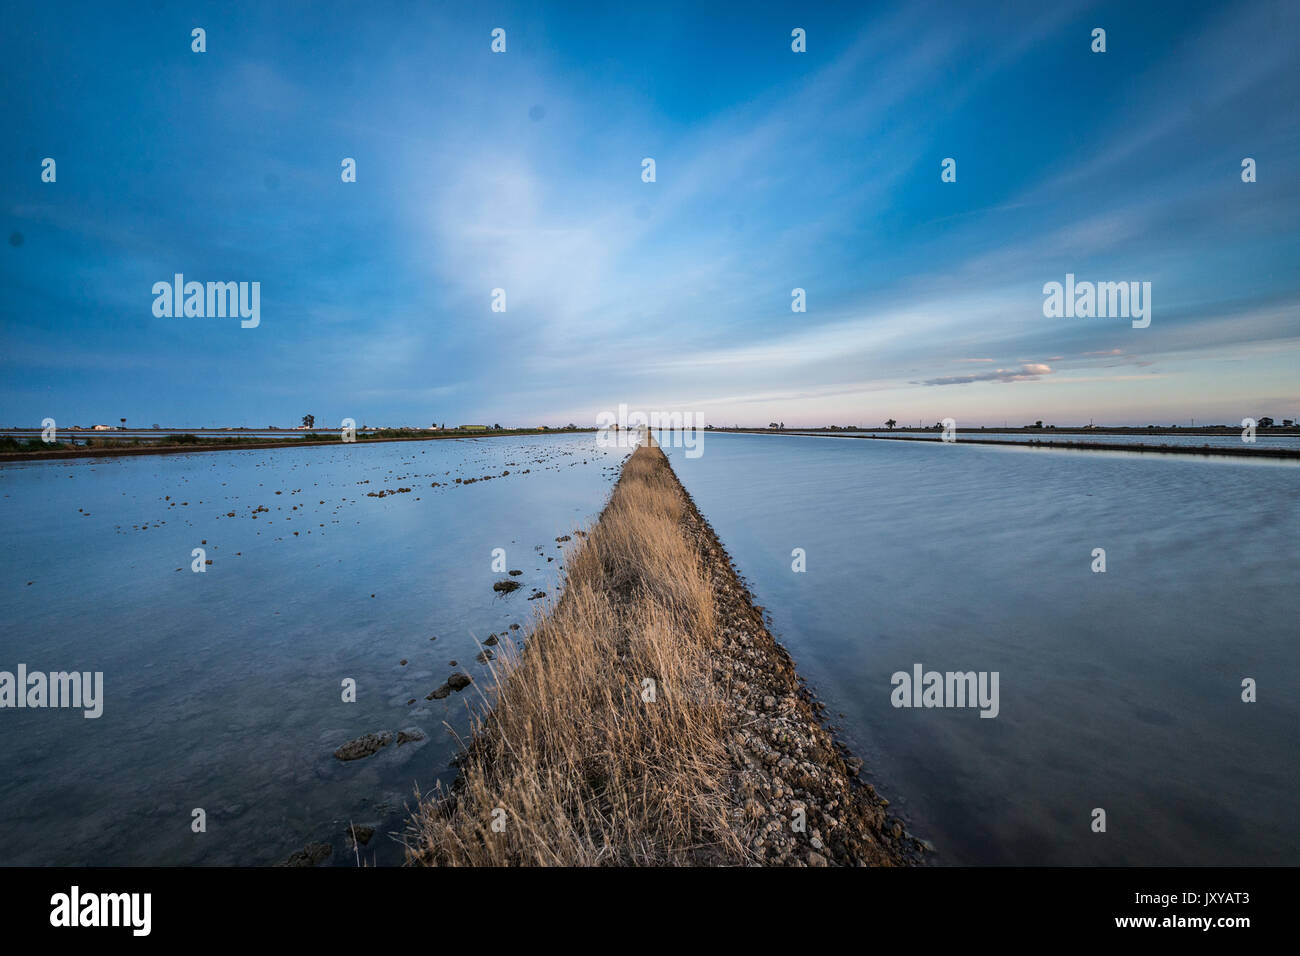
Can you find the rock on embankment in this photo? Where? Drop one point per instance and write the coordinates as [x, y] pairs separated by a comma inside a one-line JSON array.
[[786, 760]]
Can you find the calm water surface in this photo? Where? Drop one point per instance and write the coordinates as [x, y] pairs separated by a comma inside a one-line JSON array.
[[1262, 438], [1119, 690], [223, 688]]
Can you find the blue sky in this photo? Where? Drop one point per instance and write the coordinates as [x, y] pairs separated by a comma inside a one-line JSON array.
[[775, 170]]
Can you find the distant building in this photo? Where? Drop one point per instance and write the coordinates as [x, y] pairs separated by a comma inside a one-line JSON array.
[[103, 428], [473, 428]]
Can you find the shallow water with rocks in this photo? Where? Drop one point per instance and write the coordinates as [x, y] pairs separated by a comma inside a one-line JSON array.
[[224, 689]]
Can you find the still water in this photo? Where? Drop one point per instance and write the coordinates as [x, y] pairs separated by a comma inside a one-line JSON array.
[[223, 689], [1262, 438], [1119, 690]]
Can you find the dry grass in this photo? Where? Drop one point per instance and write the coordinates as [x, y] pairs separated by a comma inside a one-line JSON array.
[[576, 765]]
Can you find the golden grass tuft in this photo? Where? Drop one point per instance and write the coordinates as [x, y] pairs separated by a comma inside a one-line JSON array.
[[576, 765]]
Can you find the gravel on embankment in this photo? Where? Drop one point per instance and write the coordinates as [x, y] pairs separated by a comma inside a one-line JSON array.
[[785, 757]]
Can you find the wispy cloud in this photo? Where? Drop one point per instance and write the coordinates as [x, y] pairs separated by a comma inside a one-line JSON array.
[[776, 171], [1025, 373]]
